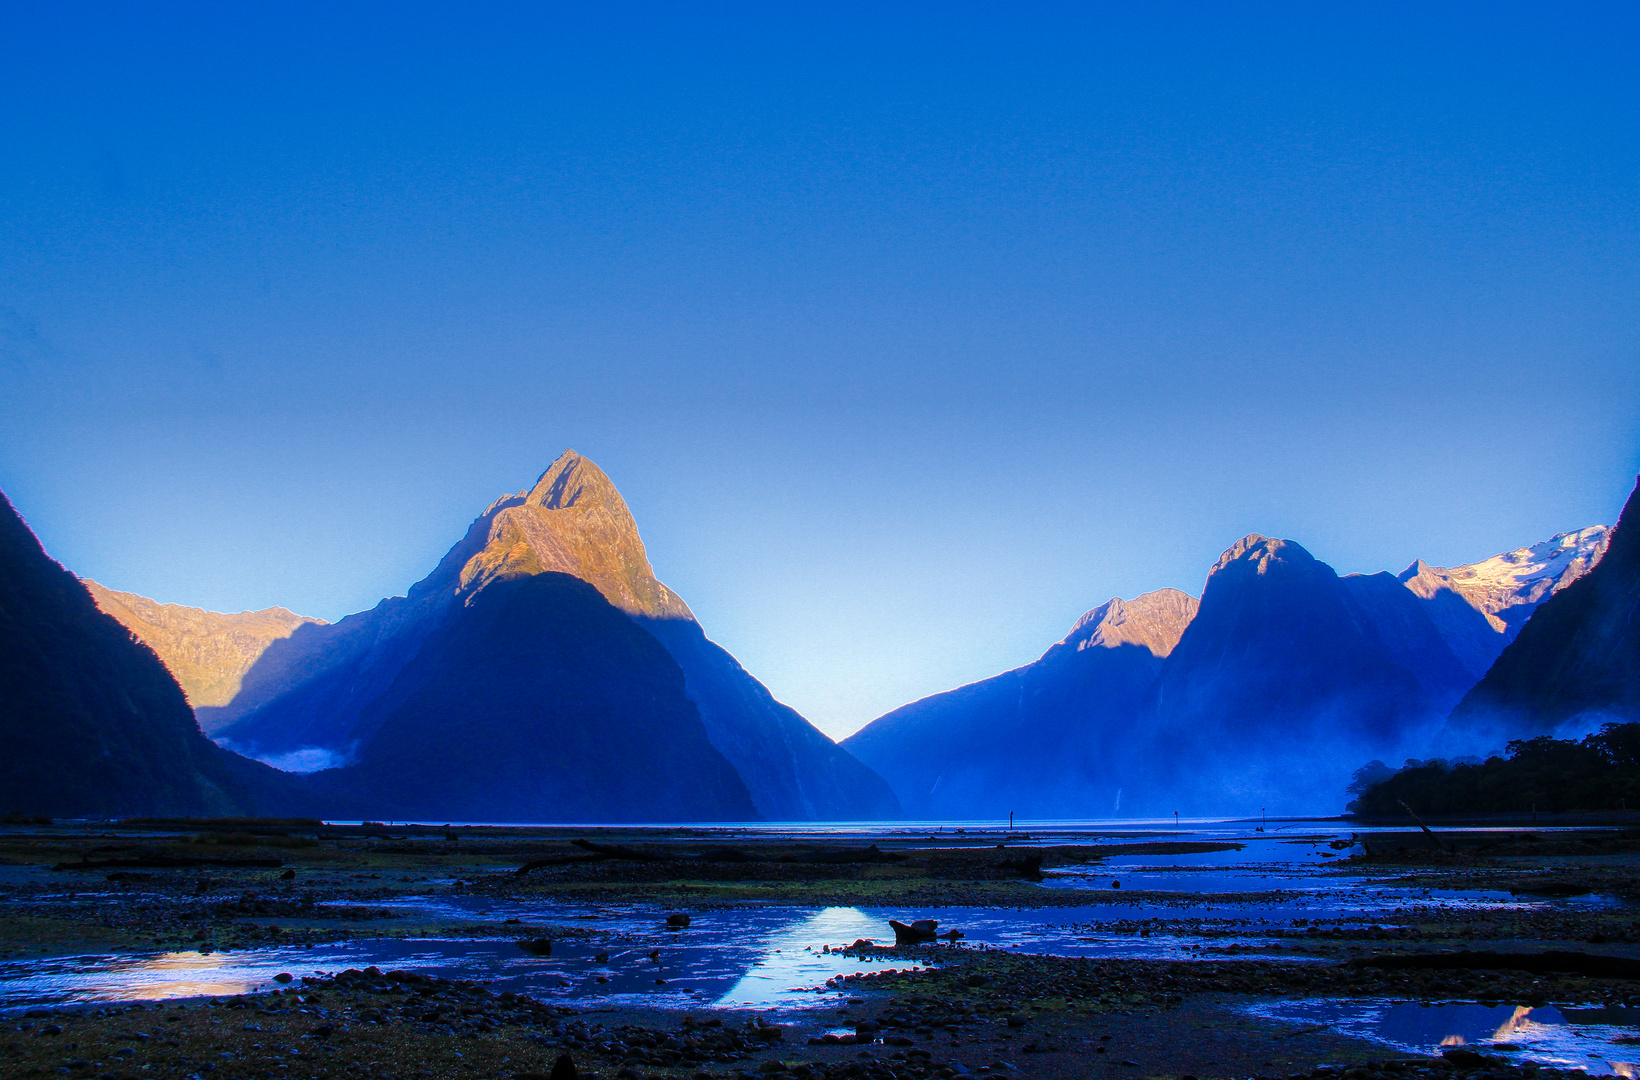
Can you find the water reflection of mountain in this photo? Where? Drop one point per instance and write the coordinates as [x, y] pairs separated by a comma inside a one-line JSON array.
[[1590, 1039]]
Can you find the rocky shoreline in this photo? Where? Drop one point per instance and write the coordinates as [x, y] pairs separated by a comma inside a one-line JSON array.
[[914, 1013]]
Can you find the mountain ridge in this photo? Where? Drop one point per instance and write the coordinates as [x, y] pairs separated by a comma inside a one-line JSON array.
[[1576, 661], [310, 694], [94, 724], [208, 652], [1359, 665]]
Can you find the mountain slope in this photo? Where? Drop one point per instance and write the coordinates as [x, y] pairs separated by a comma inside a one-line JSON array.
[[545, 703], [1283, 682], [312, 693], [93, 724], [793, 770], [1480, 607], [1395, 618], [1576, 661], [1039, 740], [208, 652]]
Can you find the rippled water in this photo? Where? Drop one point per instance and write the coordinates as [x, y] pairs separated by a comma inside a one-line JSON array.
[[1588, 1038], [777, 956], [766, 958]]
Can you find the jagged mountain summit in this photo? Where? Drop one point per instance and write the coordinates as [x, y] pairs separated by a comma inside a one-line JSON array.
[[315, 695], [91, 721], [1576, 662], [1287, 678], [1480, 607], [1268, 692], [208, 652], [1039, 740]]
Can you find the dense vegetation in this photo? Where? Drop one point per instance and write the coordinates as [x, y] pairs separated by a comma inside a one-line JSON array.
[[1599, 773]]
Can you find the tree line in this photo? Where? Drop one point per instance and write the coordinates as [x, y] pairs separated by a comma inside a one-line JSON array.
[[1600, 772]]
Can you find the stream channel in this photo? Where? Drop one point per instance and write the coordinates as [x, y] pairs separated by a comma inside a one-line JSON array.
[[780, 957]]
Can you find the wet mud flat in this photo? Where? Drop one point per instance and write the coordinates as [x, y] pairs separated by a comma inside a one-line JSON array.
[[1059, 975], [1003, 1015]]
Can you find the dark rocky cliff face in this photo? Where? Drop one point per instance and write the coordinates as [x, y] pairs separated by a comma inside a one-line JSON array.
[[1576, 661], [1041, 740], [91, 722], [316, 690], [537, 700]]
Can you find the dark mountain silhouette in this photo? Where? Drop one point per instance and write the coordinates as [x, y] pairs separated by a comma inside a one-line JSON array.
[[1396, 620], [1576, 661], [795, 772], [537, 700], [91, 722], [1269, 693], [313, 695], [1039, 740], [1287, 678]]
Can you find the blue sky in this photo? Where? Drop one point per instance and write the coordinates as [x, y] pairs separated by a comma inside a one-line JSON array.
[[909, 332]]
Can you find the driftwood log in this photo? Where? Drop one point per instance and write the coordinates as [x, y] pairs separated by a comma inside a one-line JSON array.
[[918, 933]]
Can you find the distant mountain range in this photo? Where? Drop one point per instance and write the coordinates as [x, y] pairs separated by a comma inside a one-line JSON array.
[[208, 651], [541, 673], [349, 701], [1282, 680]]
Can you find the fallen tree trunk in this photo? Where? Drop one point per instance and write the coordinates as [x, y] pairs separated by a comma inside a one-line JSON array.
[[1575, 963], [1436, 840]]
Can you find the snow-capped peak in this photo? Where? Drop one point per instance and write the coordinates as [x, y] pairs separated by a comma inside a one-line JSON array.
[[1531, 574]]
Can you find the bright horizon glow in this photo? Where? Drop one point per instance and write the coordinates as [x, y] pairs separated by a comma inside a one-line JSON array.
[[908, 334]]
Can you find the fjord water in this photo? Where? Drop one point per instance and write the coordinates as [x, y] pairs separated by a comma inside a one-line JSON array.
[[780, 956]]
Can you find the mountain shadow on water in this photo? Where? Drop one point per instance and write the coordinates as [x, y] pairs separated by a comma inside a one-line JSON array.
[[1575, 664], [91, 722], [537, 701]]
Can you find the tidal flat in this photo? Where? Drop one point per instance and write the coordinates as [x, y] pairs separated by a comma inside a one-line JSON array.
[[265, 948]]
